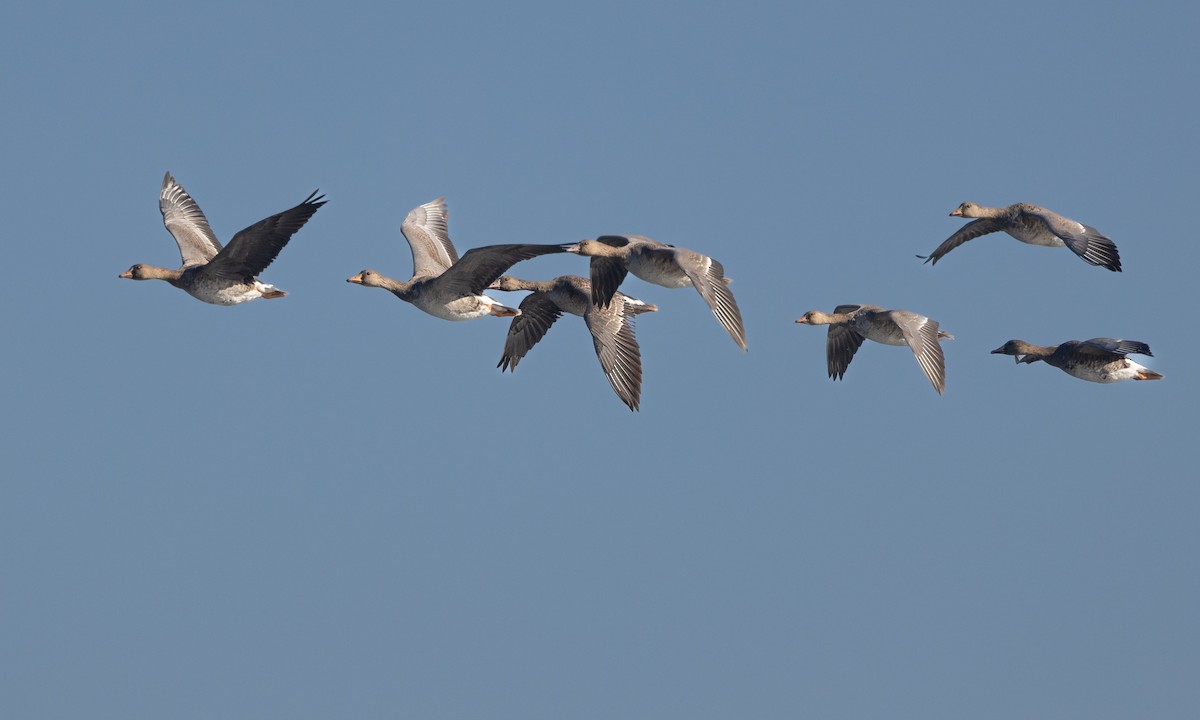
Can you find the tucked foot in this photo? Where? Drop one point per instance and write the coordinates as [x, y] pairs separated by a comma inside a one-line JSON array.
[[269, 292], [503, 310]]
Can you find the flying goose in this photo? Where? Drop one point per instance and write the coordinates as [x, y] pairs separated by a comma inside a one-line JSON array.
[[850, 325], [443, 284], [613, 256], [1101, 360], [612, 327], [1032, 225], [221, 276]]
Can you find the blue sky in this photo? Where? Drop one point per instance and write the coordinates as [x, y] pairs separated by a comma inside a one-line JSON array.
[[335, 506]]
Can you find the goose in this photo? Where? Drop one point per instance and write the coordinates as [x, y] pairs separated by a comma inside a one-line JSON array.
[[850, 325], [442, 284], [612, 327], [613, 256], [215, 274], [1032, 225], [1101, 360]]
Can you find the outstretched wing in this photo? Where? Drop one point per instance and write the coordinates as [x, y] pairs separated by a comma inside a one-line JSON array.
[[1085, 241], [428, 238], [607, 273], [480, 266], [841, 342], [970, 231], [922, 336], [708, 277], [617, 347], [187, 224], [253, 249], [538, 313], [1112, 346]]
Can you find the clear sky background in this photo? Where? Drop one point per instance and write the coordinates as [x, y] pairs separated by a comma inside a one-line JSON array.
[[334, 505]]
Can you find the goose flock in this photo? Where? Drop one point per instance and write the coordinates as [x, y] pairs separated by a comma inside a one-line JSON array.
[[452, 288]]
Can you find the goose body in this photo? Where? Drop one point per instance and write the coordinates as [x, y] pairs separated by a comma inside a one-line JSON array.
[[1032, 225], [611, 326], [443, 284], [615, 256], [215, 274], [851, 325], [1100, 360]]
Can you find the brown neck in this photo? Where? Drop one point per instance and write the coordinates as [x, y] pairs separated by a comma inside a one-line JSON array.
[[820, 318], [1036, 352], [152, 272], [399, 288]]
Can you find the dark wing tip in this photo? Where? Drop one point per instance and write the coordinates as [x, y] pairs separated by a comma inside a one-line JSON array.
[[1104, 254]]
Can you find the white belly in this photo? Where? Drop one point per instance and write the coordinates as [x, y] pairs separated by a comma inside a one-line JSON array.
[[1038, 235], [658, 273], [464, 308], [227, 295]]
